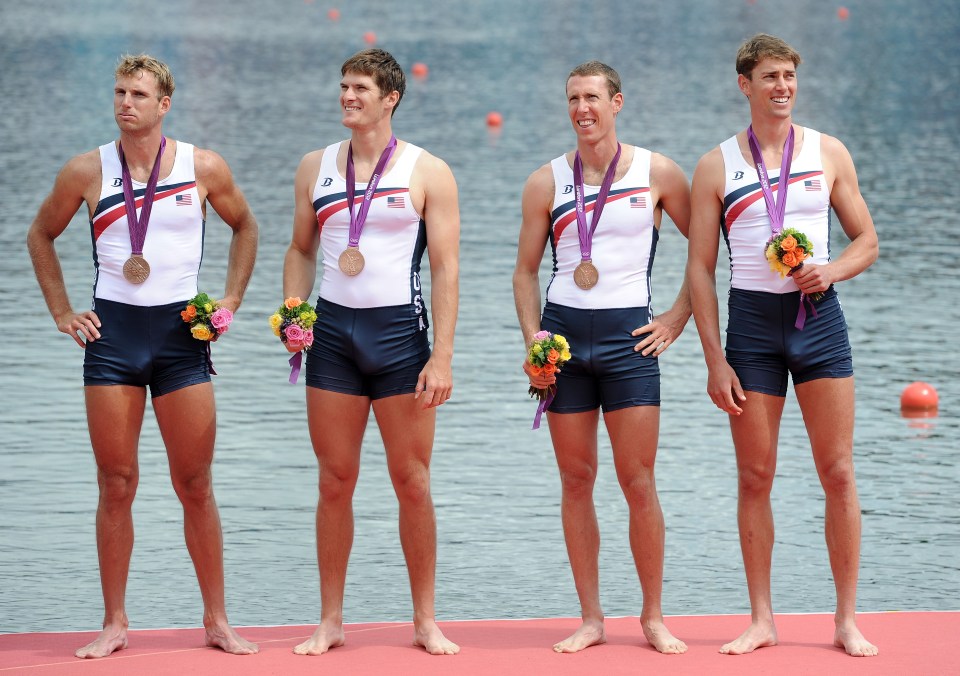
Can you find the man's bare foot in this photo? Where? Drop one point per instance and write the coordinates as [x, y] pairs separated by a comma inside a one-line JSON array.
[[850, 639], [428, 635], [590, 633], [660, 638], [757, 635], [111, 639], [224, 637], [324, 638]]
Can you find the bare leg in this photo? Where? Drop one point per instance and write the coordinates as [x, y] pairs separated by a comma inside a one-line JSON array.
[[337, 447], [633, 434], [574, 438], [188, 425], [114, 417], [755, 434], [828, 411], [407, 431]]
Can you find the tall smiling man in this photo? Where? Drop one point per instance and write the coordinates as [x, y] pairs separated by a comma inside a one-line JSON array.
[[600, 207], [371, 205], [772, 176], [147, 263]]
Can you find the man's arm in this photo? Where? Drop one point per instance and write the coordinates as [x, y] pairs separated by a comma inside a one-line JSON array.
[[723, 386], [76, 180], [300, 262], [534, 231], [851, 209], [215, 178], [441, 213], [671, 191]]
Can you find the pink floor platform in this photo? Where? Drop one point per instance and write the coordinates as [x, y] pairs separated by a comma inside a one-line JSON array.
[[910, 643]]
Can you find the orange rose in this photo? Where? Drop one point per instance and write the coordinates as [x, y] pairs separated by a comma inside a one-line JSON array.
[[549, 369], [553, 356], [802, 254], [189, 313], [534, 370], [291, 303], [790, 259], [788, 243]]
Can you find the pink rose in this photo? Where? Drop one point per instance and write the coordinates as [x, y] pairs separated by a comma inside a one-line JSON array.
[[308, 337], [221, 319], [541, 335], [294, 333]]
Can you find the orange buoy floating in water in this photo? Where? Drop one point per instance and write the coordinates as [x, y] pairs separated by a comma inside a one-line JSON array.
[[494, 119], [333, 14], [919, 397], [370, 37], [419, 69], [843, 13]]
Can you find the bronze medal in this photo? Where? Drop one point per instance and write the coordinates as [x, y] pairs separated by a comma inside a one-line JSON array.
[[351, 261], [586, 275], [136, 270]]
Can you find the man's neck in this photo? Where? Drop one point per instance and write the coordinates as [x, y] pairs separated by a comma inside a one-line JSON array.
[[772, 133], [596, 157], [368, 144], [140, 150]]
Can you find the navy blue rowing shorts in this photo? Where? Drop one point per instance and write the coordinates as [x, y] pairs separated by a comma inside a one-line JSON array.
[[763, 345], [147, 346], [604, 370], [371, 352]]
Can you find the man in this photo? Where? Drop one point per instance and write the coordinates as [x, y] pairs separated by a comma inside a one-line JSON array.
[[599, 299], [134, 338], [777, 324], [371, 348]]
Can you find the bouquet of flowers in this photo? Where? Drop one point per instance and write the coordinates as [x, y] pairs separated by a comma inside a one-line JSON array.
[[207, 319], [547, 353], [293, 323], [786, 251]]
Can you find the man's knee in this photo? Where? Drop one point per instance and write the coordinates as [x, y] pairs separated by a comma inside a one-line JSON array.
[[412, 486], [755, 481], [194, 488], [578, 480], [837, 478], [640, 490], [337, 485], [118, 487]]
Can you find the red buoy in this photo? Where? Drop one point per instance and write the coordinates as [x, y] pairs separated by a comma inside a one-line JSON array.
[[333, 14], [843, 13], [494, 119], [419, 69], [370, 37], [919, 397]]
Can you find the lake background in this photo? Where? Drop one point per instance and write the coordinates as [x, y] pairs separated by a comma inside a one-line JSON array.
[[258, 83]]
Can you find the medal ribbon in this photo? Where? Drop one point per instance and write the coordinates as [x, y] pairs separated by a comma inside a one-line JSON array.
[[138, 226], [777, 208], [586, 235], [356, 222]]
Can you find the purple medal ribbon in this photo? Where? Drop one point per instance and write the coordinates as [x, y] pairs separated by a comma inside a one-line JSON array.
[[138, 226], [356, 223], [777, 208], [296, 361], [541, 407], [586, 235]]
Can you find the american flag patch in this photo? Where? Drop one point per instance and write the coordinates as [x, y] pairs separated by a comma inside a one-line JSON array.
[[184, 200], [638, 202], [395, 202], [812, 186]]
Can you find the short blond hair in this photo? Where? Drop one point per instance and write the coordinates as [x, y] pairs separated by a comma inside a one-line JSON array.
[[762, 46], [131, 65], [603, 70]]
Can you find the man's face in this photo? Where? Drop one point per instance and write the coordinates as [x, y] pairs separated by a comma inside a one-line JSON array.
[[771, 87], [361, 102], [136, 104], [591, 108]]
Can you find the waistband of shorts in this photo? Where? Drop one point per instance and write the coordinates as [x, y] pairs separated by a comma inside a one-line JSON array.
[[599, 310], [178, 305], [769, 295]]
